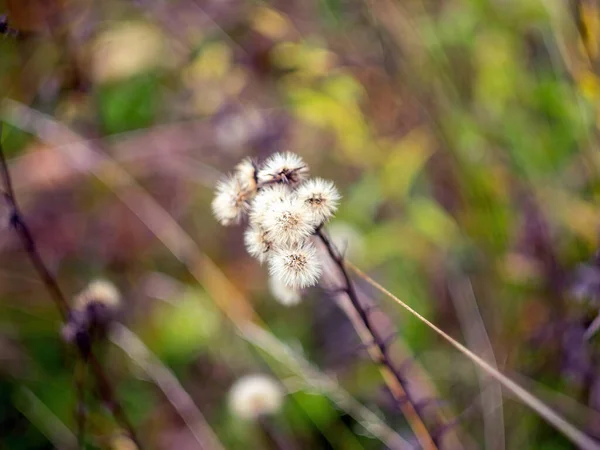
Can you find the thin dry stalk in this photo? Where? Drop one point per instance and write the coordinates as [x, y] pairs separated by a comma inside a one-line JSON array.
[[477, 338], [575, 435], [378, 350], [320, 382], [131, 344], [45, 420], [17, 221]]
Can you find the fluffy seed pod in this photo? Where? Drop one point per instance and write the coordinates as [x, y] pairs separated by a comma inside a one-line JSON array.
[[320, 197], [296, 266], [284, 294], [247, 173], [286, 168], [288, 222], [253, 396], [101, 292], [258, 244], [264, 201], [93, 310], [231, 201]]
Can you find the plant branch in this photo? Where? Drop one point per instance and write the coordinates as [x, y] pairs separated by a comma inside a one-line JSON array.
[[394, 379], [17, 221]]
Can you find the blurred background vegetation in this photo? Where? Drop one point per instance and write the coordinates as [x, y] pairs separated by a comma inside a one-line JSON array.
[[462, 135]]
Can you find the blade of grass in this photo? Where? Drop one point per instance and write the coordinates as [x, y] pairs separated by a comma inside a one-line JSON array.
[[557, 421]]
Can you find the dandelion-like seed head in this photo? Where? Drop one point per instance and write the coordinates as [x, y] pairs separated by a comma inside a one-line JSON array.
[[296, 266], [284, 294], [264, 201], [247, 173], [257, 243], [286, 168], [288, 222], [253, 396], [231, 201], [98, 292], [320, 197]]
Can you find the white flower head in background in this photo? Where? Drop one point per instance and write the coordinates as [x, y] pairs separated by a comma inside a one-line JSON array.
[[296, 266], [100, 292], [257, 243], [253, 396], [231, 201], [288, 222], [284, 294], [287, 168], [320, 197]]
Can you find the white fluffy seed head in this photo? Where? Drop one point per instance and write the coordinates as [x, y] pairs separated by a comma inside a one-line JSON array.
[[258, 243], [284, 294], [288, 222], [296, 266], [320, 197], [231, 201], [256, 395], [264, 201], [286, 168], [247, 172], [99, 291]]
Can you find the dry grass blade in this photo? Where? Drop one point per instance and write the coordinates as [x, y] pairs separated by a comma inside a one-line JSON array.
[[558, 422], [477, 338], [44, 419], [322, 383], [168, 383]]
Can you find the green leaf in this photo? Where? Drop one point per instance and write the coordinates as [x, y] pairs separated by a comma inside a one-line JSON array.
[[129, 104]]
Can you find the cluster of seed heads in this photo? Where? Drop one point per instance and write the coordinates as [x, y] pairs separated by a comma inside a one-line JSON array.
[[284, 209]]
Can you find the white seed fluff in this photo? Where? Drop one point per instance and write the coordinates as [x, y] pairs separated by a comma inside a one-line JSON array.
[[258, 244], [320, 197], [284, 294], [288, 222], [231, 201], [287, 168], [264, 201], [98, 291], [297, 266], [246, 172], [255, 395]]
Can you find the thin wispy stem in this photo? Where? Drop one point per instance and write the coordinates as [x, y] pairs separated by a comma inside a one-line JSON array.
[[131, 344], [477, 338], [19, 224], [557, 421]]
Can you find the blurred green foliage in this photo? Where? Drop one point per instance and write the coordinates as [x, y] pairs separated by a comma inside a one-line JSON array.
[[463, 135]]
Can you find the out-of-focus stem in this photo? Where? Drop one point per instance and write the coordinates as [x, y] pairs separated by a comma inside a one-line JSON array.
[[17, 221]]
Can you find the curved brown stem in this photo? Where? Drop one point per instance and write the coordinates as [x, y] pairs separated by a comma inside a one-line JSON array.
[[393, 378]]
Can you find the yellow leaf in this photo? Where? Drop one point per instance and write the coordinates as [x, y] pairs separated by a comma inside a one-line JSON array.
[[270, 23], [405, 162]]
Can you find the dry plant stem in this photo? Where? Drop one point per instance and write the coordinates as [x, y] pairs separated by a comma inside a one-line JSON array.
[[80, 379], [575, 435], [393, 378], [18, 223]]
